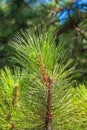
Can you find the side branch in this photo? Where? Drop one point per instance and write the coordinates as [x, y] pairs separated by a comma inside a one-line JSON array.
[[67, 27]]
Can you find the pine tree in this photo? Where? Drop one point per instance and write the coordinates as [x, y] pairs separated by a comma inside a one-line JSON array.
[[39, 97]]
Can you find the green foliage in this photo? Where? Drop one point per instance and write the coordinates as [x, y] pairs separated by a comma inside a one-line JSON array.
[[80, 105], [46, 66], [69, 112], [9, 89], [40, 96]]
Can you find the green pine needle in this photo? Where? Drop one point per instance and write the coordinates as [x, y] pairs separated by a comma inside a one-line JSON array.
[[44, 100]]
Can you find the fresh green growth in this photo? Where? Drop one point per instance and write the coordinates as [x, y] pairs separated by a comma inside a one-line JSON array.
[[80, 105], [39, 98], [9, 99]]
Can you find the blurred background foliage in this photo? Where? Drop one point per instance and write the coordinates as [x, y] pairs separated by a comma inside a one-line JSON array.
[[68, 16]]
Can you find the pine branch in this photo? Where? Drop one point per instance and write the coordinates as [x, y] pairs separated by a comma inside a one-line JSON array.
[[44, 93], [48, 77], [67, 27]]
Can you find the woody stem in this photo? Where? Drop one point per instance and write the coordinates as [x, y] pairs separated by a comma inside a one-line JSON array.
[[48, 82], [48, 118]]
